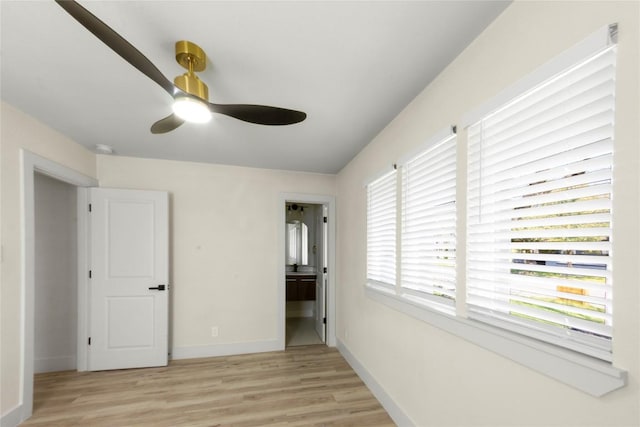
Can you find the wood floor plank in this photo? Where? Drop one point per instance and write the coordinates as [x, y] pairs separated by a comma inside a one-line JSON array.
[[303, 386]]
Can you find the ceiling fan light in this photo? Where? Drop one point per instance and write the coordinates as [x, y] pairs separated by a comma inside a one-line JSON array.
[[191, 110]]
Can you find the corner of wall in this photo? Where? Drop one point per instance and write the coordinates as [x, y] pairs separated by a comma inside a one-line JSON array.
[[395, 412]]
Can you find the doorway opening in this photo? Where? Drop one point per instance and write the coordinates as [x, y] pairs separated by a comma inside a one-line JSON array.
[[305, 254], [32, 164], [56, 289], [307, 257]]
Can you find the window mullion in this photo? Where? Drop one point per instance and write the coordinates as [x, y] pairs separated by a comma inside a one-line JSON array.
[[461, 223]]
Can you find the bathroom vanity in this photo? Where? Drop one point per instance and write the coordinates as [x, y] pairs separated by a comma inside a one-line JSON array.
[[301, 286]]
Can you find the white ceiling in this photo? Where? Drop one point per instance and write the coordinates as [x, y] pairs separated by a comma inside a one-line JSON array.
[[351, 66]]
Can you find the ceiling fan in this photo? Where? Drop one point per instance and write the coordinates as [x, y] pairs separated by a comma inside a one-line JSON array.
[[190, 94]]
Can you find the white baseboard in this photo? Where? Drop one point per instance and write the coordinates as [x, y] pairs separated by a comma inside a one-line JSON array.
[[54, 364], [229, 349], [395, 412], [12, 418]]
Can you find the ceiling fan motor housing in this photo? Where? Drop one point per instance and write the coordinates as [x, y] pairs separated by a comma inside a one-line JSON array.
[[191, 56], [192, 85]]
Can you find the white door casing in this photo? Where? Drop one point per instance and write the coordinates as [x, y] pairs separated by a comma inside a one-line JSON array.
[[330, 289], [128, 320], [321, 276]]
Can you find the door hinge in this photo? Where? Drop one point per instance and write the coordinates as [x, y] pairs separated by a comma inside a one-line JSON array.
[[324, 219], [324, 270], [89, 207], [89, 274], [89, 340], [324, 320]]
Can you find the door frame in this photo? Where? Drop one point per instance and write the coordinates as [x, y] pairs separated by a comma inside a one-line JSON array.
[[317, 199], [32, 163]]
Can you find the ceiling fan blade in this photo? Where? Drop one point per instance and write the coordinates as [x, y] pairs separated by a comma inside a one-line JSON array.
[[259, 114], [117, 43], [167, 124]]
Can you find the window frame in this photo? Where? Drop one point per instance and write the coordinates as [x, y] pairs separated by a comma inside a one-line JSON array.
[[519, 201]]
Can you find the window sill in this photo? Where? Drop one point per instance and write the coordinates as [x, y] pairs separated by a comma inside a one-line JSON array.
[[584, 373]]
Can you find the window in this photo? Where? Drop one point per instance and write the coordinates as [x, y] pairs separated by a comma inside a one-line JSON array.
[[381, 231], [539, 210], [526, 272], [428, 237]]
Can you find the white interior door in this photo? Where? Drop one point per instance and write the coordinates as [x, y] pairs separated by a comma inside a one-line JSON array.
[[321, 277], [129, 290]]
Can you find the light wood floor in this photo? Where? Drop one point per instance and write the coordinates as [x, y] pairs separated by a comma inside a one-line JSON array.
[[304, 386]]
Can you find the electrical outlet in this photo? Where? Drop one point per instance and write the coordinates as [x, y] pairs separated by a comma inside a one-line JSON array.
[[214, 331]]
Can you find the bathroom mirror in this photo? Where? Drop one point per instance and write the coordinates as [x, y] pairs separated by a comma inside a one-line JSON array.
[[297, 243]]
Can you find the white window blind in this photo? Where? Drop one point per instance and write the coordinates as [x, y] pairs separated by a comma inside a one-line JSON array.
[[539, 210], [428, 236], [381, 230]]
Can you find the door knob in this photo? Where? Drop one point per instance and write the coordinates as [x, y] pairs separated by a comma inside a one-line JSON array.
[[158, 288]]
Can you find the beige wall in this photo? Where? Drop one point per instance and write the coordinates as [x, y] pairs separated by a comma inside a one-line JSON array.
[[436, 378], [224, 258], [21, 131]]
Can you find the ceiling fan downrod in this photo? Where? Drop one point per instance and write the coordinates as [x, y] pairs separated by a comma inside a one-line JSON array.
[[191, 57]]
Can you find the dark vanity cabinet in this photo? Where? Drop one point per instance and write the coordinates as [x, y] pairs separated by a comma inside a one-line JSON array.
[[301, 287]]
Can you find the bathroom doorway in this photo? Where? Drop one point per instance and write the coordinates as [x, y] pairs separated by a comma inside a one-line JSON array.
[[305, 243], [307, 255]]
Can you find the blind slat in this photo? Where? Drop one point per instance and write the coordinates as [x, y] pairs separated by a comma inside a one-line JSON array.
[[564, 320], [494, 280]]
